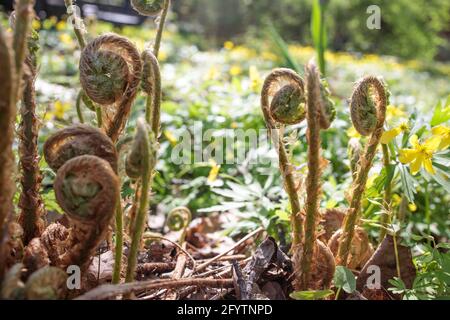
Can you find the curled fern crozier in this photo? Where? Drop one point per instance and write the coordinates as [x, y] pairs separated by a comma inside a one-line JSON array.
[[110, 73], [86, 188]]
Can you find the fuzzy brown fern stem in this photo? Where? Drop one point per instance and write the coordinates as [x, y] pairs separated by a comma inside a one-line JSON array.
[[8, 113], [151, 85], [23, 15], [368, 112], [283, 94], [110, 73], [85, 188], [30, 200], [313, 188]]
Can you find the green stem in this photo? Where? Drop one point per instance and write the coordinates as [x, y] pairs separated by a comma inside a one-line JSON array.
[[78, 107], [119, 244], [336, 297], [146, 180], [385, 216], [161, 24], [79, 33], [98, 112], [427, 211], [397, 259]]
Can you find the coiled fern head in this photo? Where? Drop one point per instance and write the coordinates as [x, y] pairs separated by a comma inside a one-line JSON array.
[[148, 7]]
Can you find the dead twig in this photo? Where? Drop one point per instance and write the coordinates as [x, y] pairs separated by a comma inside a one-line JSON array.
[[109, 290], [212, 260]]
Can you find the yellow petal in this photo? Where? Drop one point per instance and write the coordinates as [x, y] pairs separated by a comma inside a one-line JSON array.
[[414, 140], [415, 165], [428, 166], [433, 143], [213, 173], [390, 134], [407, 155], [440, 130], [444, 143]]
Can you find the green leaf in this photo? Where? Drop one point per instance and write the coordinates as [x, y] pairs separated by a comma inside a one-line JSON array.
[[283, 48], [311, 295], [407, 183], [282, 215], [441, 114], [345, 279]]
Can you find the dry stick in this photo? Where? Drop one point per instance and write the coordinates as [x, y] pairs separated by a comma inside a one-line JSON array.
[[385, 217], [358, 103], [286, 168], [314, 104], [107, 291], [177, 274], [8, 113], [161, 24], [237, 244]]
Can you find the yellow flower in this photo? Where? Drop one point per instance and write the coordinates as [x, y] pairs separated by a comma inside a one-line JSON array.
[[228, 45], [412, 207], [61, 25], [60, 109], [352, 133], [394, 112], [421, 154], [235, 70], [213, 73], [444, 133], [163, 55], [255, 78], [36, 24], [389, 135], [170, 137], [65, 38], [213, 173]]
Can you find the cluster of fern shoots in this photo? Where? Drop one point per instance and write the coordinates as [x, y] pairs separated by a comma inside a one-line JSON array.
[[90, 162]]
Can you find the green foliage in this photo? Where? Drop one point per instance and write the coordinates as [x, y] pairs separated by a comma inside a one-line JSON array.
[[433, 277], [311, 295], [344, 279]]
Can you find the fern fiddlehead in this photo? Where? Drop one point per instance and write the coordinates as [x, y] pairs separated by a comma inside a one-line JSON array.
[[140, 162], [319, 115], [110, 73], [151, 85], [282, 78], [78, 140], [82, 196], [368, 112], [178, 219], [85, 187]]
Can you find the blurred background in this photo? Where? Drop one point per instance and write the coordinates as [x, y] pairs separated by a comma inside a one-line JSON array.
[[417, 29]]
